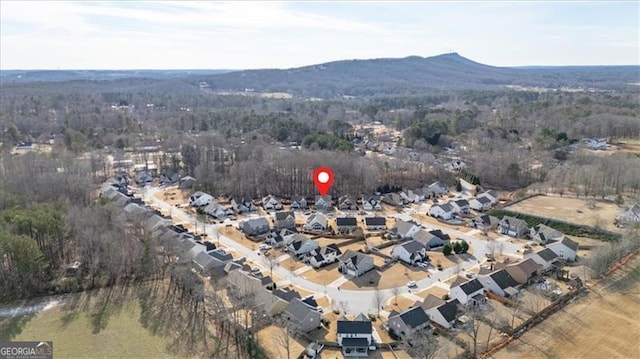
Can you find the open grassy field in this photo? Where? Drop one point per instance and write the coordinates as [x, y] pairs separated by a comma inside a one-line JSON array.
[[573, 210], [603, 324], [397, 273], [94, 328]]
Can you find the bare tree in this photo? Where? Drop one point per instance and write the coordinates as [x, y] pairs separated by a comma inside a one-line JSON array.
[[270, 261], [421, 344], [395, 291], [378, 300], [283, 339], [472, 326]]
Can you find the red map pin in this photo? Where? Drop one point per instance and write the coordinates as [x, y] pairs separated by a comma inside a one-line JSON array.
[[323, 178]]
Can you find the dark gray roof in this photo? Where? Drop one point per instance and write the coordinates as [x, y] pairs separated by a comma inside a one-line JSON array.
[[449, 310], [346, 221], [286, 295], [220, 256], [281, 216], [471, 286], [413, 246], [547, 254], [310, 301], [440, 234], [414, 317], [462, 203], [569, 243], [355, 342], [346, 326], [483, 199], [375, 221], [503, 279], [447, 207], [299, 310]]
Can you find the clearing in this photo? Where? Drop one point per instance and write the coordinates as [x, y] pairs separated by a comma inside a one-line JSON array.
[[573, 210], [603, 324]]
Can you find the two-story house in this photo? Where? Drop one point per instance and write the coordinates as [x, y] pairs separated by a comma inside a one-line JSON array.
[[354, 263], [355, 337], [410, 252], [407, 323]]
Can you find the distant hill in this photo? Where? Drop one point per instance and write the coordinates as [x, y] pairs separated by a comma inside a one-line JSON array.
[[389, 76], [414, 73]]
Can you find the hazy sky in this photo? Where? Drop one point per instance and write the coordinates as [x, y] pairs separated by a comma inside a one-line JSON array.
[[242, 35]]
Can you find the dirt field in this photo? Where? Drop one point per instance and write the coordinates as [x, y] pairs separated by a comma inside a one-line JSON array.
[[604, 324], [272, 339], [324, 275], [573, 210]]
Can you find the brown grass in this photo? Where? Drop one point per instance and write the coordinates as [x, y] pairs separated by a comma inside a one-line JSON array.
[[398, 273], [566, 209], [239, 237], [270, 339], [324, 275], [603, 324]]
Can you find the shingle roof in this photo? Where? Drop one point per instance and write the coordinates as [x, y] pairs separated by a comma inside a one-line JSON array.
[[547, 254], [286, 295], [529, 266], [503, 279], [569, 243], [414, 317], [375, 221], [299, 310], [447, 207], [346, 326], [462, 203], [355, 342], [281, 216], [449, 310], [346, 221], [483, 199], [413, 246], [471, 286], [431, 301]]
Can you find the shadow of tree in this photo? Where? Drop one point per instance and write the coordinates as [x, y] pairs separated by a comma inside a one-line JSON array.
[[12, 327]]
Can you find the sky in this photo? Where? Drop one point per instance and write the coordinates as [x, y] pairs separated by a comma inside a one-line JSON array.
[[249, 35]]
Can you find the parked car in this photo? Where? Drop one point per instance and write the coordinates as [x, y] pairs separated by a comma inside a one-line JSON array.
[[264, 247], [412, 284], [470, 275]]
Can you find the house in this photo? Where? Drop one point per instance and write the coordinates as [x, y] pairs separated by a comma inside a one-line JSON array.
[[543, 234], [277, 238], [355, 263], [404, 230], [431, 301], [565, 248], [299, 202], [254, 226], [346, 224], [445, 314], [324, 256], [431, 240], [394, 199], [371, 203], [458, 165], [437, 189], [323, 203], [302, 245], [345, 203], [524, 270], [355, 337], [284, 220], [220, 258], [303, 316], [492, 195], [596, 143], [186, 182], [144, 178], [500, 282], [460, 206], [513, 227], [375, 223], [480, 203], [405, 324], [279, 300], [629, 216], [316, 222], [411, 196], [410, 252], [243, 205], [484, 222], [544, 257], [270, 202], [216, 210], [203, 262], [200, 199], [468, 292], [247, 284], [443, 211]]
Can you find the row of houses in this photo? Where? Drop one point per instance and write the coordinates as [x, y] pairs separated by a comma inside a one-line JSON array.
[[316, 222], [541, 234], [462, 207]]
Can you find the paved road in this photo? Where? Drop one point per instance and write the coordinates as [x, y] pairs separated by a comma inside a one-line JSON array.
[[352, 301]]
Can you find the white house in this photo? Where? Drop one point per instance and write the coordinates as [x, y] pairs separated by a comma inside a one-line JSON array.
[[405, 230], [371, 203], [410, 252], [243, 205], [492, 195], [513, 227], [438, 189], [216, 210], [468, 292], [405, 324], [284, 219], [316, 222], [355, 336], [346, 224], [443, 211], [302, 245], [299, 202], [480, 203], [629, 216], [544, 257], [270, 202], [430, 239], [375, 223], [200, 199], [543, 234], [345, 203], [445, 314], [460, 206], [323, 203], [355, 263], [564, 248], [324, 256], [500, 282], [484, 222]]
